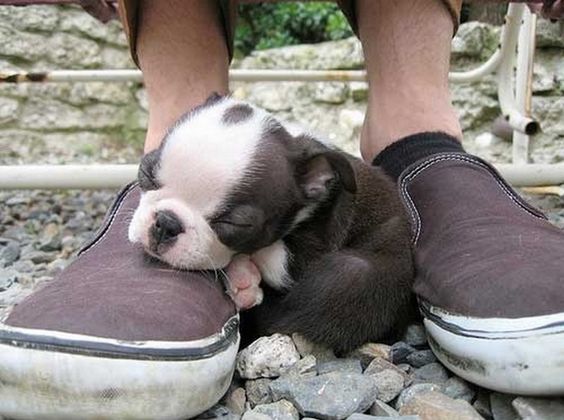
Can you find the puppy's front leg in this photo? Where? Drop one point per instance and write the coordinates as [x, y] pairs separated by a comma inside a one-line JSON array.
[[243, 279]]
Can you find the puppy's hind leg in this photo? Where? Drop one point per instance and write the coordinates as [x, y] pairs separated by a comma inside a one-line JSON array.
[[345, 299]]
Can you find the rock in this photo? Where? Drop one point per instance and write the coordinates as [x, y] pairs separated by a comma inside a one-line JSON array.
[[34, 18], [421, 358], [359, 91], [501, 406], [235, 400], [250, 415], [306, 366], [332, 396], [482, 405], [415, 335], [10, 253], [342, 54], [76, 21], [458, 389], [21, 45], [431, 373], [436, 406], [389, 384], [539, 408], [382, 409], [550, 34], [8, 276], [280, 410], [407, 394], [38, 257], [476, 40], [258, 391], [331, 92], [51, 238], [379, 365], [218, 412], [267, 357], [70, 51], [306, 347], [8, 110], [367, 417], [369, 352], [400, 351], [342, 365]]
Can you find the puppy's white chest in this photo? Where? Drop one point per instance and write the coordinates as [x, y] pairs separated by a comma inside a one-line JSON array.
[[272, 262]]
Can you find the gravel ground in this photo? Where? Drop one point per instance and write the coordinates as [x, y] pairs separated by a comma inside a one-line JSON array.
[[40, 232]]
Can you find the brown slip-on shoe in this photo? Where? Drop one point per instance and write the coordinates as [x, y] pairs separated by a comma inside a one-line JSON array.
[[490, 275], [118, 335]]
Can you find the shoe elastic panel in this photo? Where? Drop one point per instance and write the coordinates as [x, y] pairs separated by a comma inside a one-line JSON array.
[[395, 158]]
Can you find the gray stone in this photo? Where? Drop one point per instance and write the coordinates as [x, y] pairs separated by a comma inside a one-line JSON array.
[[34, 18], [550, 34], [10, 253], [330, 92], [251, 415], [343, 365], [436, 406], [305, 347], [539, 408], [501, 406], [380, 365], [95, 92], [475, 39], [267, 357], [431, 373], [51, 238], [421, 358], [370, 417], [359, 91], [343, 54], [115, 58], [458, 389], [218, 412], [81, 23], [70, 51], [8, 110], [21, 45], [279, 410], [382, 409], [306, 366], [258, 391], [8, 276], [482, 405], [415, 335], [369, 352], [332, 396], [235, 400], [389, 384], [400, 351], [407, 394]]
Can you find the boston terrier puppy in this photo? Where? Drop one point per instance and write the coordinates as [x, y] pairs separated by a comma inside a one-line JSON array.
[[233, 188]]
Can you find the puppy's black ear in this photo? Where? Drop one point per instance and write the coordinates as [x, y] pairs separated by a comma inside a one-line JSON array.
[[147, 174], [322, 171]]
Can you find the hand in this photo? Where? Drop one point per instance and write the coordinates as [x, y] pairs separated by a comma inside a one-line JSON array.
[[101, 9]]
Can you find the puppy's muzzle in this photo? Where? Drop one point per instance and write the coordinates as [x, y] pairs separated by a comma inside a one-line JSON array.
[[165, 230]]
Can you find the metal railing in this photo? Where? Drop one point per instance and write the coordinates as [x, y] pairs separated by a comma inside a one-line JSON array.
[[517, 47]]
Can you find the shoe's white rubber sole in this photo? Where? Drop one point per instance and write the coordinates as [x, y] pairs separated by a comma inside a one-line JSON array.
[[94, 379], [517, 356]]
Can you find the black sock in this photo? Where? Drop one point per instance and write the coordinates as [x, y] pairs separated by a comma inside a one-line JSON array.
[[399, 155]]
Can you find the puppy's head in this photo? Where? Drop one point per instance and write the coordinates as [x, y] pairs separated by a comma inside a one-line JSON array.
[[229, 178]]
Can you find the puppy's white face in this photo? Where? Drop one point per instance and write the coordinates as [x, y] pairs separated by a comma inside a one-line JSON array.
[[203, 158], [227, 179]]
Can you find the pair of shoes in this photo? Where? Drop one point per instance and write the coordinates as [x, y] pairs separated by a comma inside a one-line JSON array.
[[120, 335]]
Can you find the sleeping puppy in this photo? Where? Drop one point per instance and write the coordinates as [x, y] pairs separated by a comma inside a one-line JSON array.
[[233, 188]]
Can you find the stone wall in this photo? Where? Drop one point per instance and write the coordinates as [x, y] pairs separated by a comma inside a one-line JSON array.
[[90, 121]]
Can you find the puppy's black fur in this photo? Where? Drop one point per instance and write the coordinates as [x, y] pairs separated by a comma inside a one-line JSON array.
[[350, 261]]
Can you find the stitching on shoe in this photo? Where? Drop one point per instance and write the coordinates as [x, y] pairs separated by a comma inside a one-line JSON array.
[[444, 157], [111, 221]]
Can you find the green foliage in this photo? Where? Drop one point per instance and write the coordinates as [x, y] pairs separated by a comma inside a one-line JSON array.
[[270, 25]]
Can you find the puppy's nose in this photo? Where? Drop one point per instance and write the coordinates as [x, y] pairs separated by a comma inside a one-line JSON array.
[[167, 227]]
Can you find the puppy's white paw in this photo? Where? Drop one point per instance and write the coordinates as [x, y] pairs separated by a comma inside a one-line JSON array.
[[243, 278]]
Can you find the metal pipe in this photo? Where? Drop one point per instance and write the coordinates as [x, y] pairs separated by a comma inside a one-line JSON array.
[[115, 176]]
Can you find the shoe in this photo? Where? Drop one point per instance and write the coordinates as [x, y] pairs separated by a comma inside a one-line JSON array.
[[490, 276], [118, 335]]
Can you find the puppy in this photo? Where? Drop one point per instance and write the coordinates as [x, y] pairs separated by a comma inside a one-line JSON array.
[[233, 188]]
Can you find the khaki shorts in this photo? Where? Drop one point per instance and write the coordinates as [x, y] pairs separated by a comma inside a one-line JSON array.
[[228, 8]]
